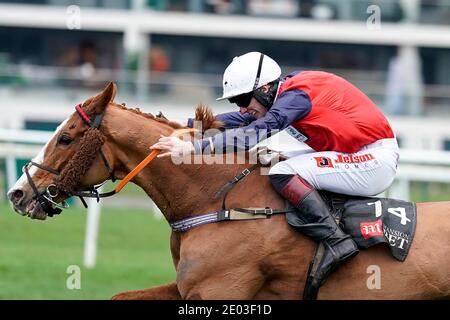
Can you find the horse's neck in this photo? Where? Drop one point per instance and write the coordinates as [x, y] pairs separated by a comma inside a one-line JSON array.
[[178, 190], [181, 191]]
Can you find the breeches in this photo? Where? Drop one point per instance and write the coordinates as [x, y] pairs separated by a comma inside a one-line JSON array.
[[367, 172]]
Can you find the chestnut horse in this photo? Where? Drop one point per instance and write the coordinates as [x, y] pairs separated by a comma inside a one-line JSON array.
[[252, 259]]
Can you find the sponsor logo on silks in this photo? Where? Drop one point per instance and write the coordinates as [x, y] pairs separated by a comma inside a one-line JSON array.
[[396, 238], [325, 162], [354, 159], [296, 134], [371, 229]]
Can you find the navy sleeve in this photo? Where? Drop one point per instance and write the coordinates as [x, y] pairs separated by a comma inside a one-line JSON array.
[[290, 106], [235, 119], [230, 120]]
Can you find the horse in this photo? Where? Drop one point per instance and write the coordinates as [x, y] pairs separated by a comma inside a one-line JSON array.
[[251, 259]]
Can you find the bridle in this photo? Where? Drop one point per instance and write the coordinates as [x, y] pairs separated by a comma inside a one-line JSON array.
[[45, 198]]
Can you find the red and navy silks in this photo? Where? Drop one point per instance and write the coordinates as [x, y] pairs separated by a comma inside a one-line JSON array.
[[342, 118], [329, 111]]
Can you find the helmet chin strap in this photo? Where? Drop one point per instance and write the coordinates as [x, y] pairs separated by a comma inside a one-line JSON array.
[[267, 98], [258, 72]]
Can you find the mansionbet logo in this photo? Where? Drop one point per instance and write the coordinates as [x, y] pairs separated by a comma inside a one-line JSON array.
[[325, 162], [371, 229]]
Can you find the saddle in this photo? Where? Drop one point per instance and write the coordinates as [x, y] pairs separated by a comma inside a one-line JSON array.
[[369, 221]]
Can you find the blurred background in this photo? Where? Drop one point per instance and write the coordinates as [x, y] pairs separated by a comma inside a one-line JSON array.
[[169, 55]]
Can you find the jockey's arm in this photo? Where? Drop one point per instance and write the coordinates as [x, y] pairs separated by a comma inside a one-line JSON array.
[[290, 106]]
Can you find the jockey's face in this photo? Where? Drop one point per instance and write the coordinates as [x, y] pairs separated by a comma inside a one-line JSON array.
[[254, 108]]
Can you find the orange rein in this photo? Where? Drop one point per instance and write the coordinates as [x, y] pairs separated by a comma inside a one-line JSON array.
[[147, 160]]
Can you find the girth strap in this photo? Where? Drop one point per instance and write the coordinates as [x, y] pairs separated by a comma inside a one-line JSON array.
[[225, 215], [265, 211]]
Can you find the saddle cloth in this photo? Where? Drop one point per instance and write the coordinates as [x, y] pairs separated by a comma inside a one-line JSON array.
[[371, 221]]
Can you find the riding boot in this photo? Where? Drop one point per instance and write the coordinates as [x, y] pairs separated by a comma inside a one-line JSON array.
[[314, 219]]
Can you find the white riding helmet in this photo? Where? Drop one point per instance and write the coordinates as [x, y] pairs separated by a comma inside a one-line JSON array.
[[247, 73]]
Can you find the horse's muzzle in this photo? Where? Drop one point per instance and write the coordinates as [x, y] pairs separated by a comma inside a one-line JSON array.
[[36, 207]]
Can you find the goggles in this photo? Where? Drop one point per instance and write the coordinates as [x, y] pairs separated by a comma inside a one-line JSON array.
[[242, 100]]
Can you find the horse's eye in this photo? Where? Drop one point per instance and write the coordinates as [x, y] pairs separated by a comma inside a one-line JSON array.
[[65, 140]]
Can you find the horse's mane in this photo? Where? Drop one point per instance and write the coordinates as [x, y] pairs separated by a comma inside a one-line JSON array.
[[208, 119], [202, 113]]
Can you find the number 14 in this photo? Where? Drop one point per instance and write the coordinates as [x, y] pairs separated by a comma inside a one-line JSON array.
[[399, 212]]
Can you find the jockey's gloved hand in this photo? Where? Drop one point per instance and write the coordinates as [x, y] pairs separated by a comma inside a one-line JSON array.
[[270, 158], [173, 147], [264, 155]]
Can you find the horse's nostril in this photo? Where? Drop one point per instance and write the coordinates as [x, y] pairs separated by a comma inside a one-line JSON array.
[[16, 196]]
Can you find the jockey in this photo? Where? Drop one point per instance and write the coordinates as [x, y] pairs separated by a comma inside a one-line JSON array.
[[354, 150]]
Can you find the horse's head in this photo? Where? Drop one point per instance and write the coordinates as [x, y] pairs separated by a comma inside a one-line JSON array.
[[74, 159]]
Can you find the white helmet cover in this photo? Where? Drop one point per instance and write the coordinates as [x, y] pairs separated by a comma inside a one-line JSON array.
[[247, 73]]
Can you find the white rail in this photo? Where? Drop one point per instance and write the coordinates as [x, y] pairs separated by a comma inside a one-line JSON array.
[[24, 136]]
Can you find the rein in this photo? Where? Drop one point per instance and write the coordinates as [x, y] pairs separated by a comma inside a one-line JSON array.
[[132, 173], [45, 198]]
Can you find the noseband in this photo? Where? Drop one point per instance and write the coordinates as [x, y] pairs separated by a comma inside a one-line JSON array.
[[45, 198]]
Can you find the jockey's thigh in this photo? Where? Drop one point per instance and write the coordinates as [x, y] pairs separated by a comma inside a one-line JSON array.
[[367, 172]]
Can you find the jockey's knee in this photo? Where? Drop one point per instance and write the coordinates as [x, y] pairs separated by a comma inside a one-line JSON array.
[[281, 173], [281, 168], [376, 187], [279, 181]]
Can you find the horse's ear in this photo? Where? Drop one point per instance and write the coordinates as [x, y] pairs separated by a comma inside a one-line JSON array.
[[100, 101]]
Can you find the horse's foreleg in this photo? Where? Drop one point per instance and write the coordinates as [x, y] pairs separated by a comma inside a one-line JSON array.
[[164, 292]]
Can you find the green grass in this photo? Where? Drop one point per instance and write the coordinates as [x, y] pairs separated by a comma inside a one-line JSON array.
[[130, 189], [133, 253], [429, 192]]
